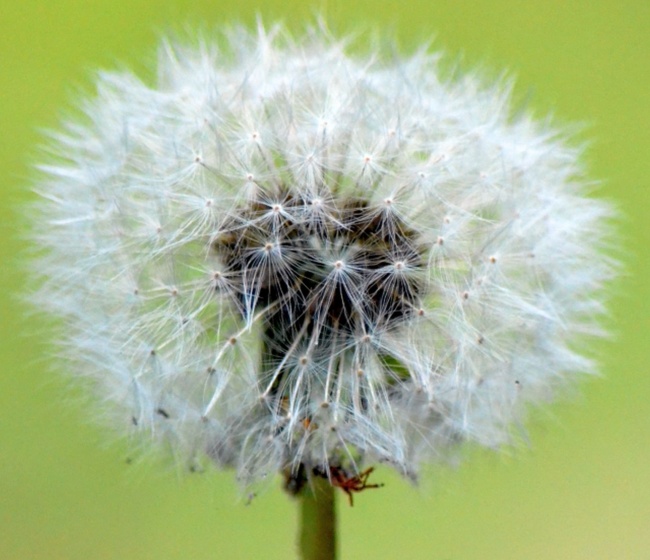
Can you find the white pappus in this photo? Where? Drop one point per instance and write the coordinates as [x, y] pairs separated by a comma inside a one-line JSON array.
[[283, 257]]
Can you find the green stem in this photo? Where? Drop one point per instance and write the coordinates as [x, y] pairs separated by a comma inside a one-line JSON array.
[[317, 540]]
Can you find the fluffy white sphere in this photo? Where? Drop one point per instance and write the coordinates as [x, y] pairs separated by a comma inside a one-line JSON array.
[[287, 258]]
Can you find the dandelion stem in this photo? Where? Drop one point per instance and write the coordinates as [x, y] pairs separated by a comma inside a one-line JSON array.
[[317, 539]]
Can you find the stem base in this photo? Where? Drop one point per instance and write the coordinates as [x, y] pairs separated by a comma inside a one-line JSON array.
[[317, 539]]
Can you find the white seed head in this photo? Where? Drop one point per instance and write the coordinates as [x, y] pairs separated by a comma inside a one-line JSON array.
[[283, 257]]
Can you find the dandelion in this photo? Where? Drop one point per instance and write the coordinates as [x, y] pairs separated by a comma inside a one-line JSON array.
[[284, 258]]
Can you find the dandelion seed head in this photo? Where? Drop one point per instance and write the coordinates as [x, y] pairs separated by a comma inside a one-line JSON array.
[[284, 257]]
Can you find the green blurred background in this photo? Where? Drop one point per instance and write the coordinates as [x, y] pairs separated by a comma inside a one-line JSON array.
[[582, 489]]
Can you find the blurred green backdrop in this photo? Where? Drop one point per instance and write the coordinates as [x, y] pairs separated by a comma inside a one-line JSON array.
[[582, 490]]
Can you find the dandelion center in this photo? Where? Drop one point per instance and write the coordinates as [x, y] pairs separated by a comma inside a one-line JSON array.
[[334, 279]]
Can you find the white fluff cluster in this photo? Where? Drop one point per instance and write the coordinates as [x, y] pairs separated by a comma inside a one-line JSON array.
[[282, 256]]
